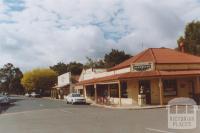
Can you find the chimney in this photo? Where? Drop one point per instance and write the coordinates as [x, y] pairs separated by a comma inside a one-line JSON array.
[[181, 46]]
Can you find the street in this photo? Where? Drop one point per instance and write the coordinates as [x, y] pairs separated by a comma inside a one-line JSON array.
[[39, 115]]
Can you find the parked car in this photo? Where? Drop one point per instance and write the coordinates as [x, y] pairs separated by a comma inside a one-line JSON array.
[[27, 95], [34, 94], [75, 98], [4, 99]]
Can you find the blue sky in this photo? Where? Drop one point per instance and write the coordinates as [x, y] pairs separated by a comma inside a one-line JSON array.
[[39, 33]]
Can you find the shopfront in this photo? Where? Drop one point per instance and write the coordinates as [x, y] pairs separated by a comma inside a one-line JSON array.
[[160, 74]]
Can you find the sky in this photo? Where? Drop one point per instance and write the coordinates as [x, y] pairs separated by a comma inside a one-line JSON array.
[[40, 33]]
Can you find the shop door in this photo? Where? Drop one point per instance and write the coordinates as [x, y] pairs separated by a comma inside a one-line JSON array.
[[146, 84]]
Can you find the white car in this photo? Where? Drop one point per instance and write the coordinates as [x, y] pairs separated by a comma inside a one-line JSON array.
[[27, 95], [33, 94], [4, 99], [75, 98]]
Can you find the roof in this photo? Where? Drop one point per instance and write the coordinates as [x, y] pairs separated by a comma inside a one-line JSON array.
[[160, 56], [140, 75], [56, 86]]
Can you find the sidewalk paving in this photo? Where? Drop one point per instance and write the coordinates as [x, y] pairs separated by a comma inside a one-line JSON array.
[[129, 106], [118, 106]]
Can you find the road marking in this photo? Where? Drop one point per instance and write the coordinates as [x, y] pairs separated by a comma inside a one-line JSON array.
[[29, 111], [65, 111], [157, 130]]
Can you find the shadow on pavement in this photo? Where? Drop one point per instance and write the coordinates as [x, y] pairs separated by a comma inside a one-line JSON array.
[[4, 107], [81, 103]]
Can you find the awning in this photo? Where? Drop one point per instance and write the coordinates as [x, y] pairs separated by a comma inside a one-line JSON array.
[[78, 87], [140, 75], [60, 86]]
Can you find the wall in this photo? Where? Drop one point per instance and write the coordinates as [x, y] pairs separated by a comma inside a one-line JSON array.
[[98, 73], [184, 88], [64, 79], [90, 73], [177, 66], [197, 89], [133, 91], [124, 101], [155, 91]]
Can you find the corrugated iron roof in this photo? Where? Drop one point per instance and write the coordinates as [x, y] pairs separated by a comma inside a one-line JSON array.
[[140, 75], [160, 56]]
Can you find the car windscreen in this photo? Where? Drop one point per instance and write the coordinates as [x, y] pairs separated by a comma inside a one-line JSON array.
[[76, 95]]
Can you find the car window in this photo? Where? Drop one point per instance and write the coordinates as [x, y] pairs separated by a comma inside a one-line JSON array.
[[76, 95]]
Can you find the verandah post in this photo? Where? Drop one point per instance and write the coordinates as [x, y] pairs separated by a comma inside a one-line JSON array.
[[119, 86], [161, 91], [85, 93], [95, 93], [197, 91]]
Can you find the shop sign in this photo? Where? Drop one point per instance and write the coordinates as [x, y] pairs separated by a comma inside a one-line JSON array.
[[144, 66], [64, 79]]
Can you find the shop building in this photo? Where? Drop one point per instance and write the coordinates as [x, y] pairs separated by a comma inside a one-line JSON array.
[[65, 85], [161, 74], [88, 74]]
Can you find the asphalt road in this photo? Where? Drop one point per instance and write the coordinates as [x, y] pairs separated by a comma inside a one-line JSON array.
[[30, 115]]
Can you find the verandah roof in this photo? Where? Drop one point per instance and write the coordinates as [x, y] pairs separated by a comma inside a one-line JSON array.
[[146, 74]]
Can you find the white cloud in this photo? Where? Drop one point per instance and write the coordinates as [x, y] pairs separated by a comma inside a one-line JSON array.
[[39, 33]]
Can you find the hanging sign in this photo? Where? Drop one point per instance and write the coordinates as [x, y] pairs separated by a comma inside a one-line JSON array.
[[144, 66]]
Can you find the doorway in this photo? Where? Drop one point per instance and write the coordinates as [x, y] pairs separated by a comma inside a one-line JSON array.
[[146, 84]]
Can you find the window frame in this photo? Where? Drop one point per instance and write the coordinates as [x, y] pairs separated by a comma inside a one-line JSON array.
[[171, 82]]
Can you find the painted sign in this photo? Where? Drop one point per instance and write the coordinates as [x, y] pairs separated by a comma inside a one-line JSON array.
[[144, 66], [182, 114], [64, 79]]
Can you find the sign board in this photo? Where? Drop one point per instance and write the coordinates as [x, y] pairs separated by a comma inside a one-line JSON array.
[[143, 66], [182, 114], [64, 79]]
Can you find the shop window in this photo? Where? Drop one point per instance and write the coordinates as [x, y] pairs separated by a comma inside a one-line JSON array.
[[90, 91], [170, 87], [114, 91], [124, 93], [102, 90]]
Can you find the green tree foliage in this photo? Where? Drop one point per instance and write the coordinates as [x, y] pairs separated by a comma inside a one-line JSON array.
[[191, 38], [60, 68], [110, 59], [115, 57], [10, 77], [74, 67], [39, 80], [94, 63]]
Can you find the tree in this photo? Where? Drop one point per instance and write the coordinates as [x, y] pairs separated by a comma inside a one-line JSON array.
[[110, 59], [10, 78], [94, 63], [191, 38], [115, 57], [60, 68], [39, 80], [75, 68]]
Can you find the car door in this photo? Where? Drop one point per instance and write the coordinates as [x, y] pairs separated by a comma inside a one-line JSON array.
[[71, 98]]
